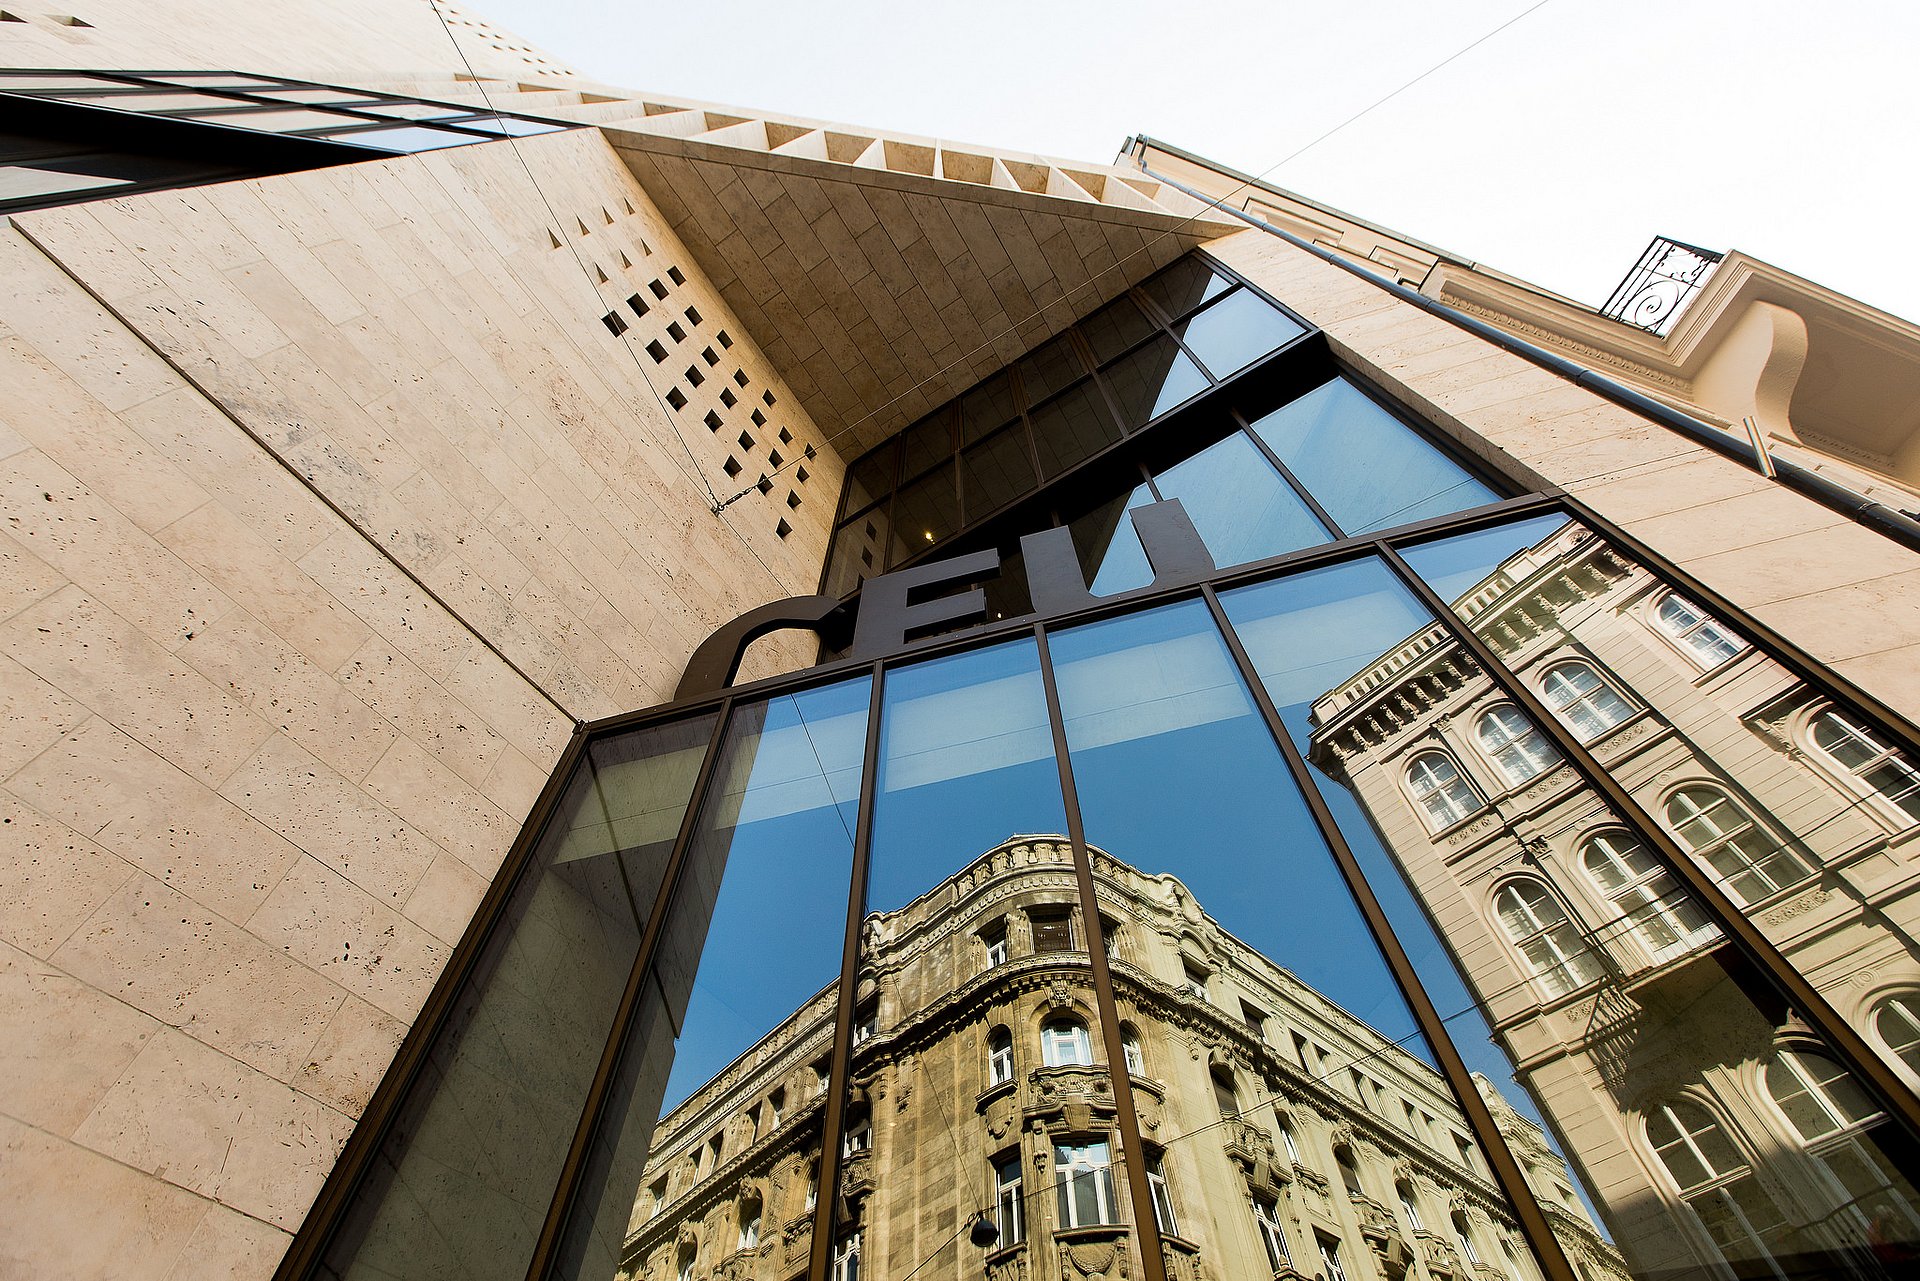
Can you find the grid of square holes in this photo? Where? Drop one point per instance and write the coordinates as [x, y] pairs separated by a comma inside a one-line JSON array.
[[677, 398]]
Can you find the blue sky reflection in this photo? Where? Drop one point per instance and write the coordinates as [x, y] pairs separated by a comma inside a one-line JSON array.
[[776, 836]]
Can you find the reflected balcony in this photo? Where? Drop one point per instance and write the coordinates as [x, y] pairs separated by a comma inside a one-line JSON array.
[[1009, 1263], [1071, 1099], [1099, 1250], [1253, 1150], [1182, 1259]]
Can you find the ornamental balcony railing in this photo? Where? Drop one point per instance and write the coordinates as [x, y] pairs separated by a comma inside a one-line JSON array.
[[1660, 286]]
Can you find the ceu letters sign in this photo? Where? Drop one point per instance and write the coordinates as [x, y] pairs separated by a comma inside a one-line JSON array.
[[895, 610]]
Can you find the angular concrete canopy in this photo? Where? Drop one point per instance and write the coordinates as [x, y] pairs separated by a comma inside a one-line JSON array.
[[885, 274]]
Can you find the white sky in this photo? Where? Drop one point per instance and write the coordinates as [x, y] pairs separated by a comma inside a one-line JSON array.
[[1553, 151]]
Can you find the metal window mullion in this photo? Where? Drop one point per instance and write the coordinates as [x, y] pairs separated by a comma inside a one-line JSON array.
[[1146, 1224], [1850, 1047], [833, 1116], [546, 1248], [1286, 473], [1500, 1159], [389, 1098]]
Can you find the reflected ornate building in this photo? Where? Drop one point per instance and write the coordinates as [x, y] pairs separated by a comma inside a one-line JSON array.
[[1284, 1137], [1713, 1135]]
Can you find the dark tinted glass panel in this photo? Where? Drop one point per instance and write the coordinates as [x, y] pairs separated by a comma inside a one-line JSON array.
[[1567, 927], [1110, 552], [1366, 467], [1236, 331], [871, 477], [925, 512], [1243, 508], [462, 1186], [997, 470], [743, 1000], [1048, 368], [1115, 327], [860, 550], [1072, 427], [1153, 380], [927, 443], [987, 407], [1007, 595], [1184, 286]]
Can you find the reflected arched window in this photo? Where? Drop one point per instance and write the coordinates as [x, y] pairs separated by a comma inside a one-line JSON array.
[[1644, 893], [1225, 1097], [1897, 1020], [999, 1056], [1439, 790], [1409, 1206], [1588, 705], [859, 1136], [1722, 835], [1716, 1183], [1540, 930], [1515, 745], [1349, 1170], [1818, 1096], [1865, 756], [1464, 1235], [683, 1271], [1064, 1043], [1830, 1113], [1130, 1046], [750, 1223], [1703, 639]]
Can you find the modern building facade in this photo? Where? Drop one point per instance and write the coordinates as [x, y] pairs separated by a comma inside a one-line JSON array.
[[526, 603]]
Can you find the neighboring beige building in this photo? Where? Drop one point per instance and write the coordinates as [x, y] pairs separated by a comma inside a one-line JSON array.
[[1828, 380], [1603, 979], [980, 1077], [344, 483]]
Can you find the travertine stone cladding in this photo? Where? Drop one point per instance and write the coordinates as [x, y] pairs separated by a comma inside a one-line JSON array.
[[265, 35], [329, 503], [1847, 595]]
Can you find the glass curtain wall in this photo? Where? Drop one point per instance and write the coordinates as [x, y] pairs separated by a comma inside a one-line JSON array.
[[1458, 901]]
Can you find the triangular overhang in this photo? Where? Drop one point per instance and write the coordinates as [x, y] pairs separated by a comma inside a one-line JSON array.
[[884, 275]]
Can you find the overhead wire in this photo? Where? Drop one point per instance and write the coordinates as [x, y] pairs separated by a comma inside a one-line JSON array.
[[1157, 238]]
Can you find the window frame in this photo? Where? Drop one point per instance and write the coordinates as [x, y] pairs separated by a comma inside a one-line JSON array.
[[1422, 790], [1067, 1176], [1906, 1005], [1570, 964], [1681, 636], [1662, 906], [1078, 1040], [1855, 778], [1525, 747], [1588, 699], [1725, 839], [1272, 1233], [1010, 1209], [1000, 1065], [1160, 1193]]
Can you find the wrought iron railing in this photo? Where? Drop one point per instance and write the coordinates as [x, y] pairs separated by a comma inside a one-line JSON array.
[[1660, 286]]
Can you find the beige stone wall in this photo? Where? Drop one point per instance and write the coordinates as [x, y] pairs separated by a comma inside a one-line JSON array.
[[329, 504], [1848, 596], [266, 35]]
